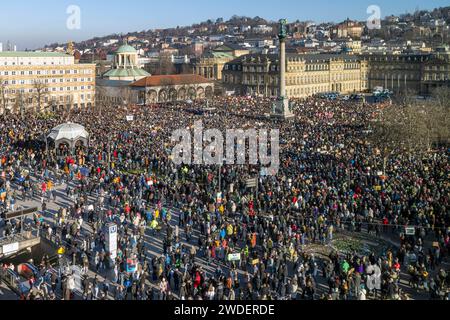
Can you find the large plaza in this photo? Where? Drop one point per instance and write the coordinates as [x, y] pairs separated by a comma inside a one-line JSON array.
[[289, 241]]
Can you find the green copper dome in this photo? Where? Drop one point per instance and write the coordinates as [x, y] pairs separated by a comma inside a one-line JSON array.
[[125, 73], [126, 49]]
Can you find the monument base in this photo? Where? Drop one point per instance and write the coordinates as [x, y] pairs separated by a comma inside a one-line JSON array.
[[281, 109]]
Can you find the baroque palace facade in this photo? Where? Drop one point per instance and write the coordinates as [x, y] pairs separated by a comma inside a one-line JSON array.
[[418, 73], [306, 74], [309, 74], [211, 64], [46, 79]]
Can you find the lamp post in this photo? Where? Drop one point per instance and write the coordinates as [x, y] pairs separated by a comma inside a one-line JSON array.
[[22, 111], [220, 177], [46, 146], [109, 155]]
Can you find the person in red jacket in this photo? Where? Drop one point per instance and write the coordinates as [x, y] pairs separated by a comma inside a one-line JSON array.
[[44, 188], [197, 280]]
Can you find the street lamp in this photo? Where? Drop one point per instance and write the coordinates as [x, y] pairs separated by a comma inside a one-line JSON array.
[[22, 111], [46, 146]]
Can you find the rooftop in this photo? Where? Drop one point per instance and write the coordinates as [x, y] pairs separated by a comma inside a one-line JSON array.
[[309, 57], [218, 55], [126, 72], [68, 131], [229, 47], [126, 49], [32, 54]]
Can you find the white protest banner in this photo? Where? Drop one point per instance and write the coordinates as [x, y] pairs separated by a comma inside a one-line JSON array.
[[10, 248], [234, 257]]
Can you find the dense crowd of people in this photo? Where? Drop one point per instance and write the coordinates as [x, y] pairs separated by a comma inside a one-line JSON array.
[[176, 240]]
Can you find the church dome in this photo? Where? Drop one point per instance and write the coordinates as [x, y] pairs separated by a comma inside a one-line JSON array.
[[126, 49]]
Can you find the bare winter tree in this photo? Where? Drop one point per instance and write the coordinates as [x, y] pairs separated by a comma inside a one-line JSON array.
[[40, 91], [101, 98], [127, 96], [3, 94], [166, 66], [441, 96], [19, 103], [440, 116], [413, 126], [67, 108]]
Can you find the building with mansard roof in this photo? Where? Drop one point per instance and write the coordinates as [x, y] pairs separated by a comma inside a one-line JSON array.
[[306, 74]]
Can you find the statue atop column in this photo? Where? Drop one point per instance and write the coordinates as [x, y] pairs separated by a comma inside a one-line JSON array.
[[282, 33]]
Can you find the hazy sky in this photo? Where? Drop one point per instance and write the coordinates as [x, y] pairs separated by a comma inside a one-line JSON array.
[[31, 23]]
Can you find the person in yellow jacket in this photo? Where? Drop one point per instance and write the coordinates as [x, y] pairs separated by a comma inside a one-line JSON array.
[[154, 224], [156, 214], [270, 244], [154, 227], [230, 230], [320, 220], [245, 251]]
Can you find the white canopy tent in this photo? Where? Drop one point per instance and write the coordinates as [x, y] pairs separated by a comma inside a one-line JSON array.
[[70, 134]]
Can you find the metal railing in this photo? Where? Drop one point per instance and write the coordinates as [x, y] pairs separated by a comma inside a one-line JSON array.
[[10, 279], [20, 237]]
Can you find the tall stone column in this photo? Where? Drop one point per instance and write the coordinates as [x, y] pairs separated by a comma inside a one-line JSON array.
[[283, 68], [281, 108]]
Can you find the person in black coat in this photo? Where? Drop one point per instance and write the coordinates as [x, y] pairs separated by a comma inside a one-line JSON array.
[[54, 281]]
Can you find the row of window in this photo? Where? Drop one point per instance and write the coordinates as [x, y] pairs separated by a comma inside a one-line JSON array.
[[421, 59], [438, 68], [301, 91], [300, 80], [402, 77], [45, 72], [47, 99], [396, 67], [232, 79], [256, 79], [6, 63], [32, 81], [260, 79], [324, 88], [309, 67], [325, 78], [437, 77], [233, 67], [256, 69], [54, 89]]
